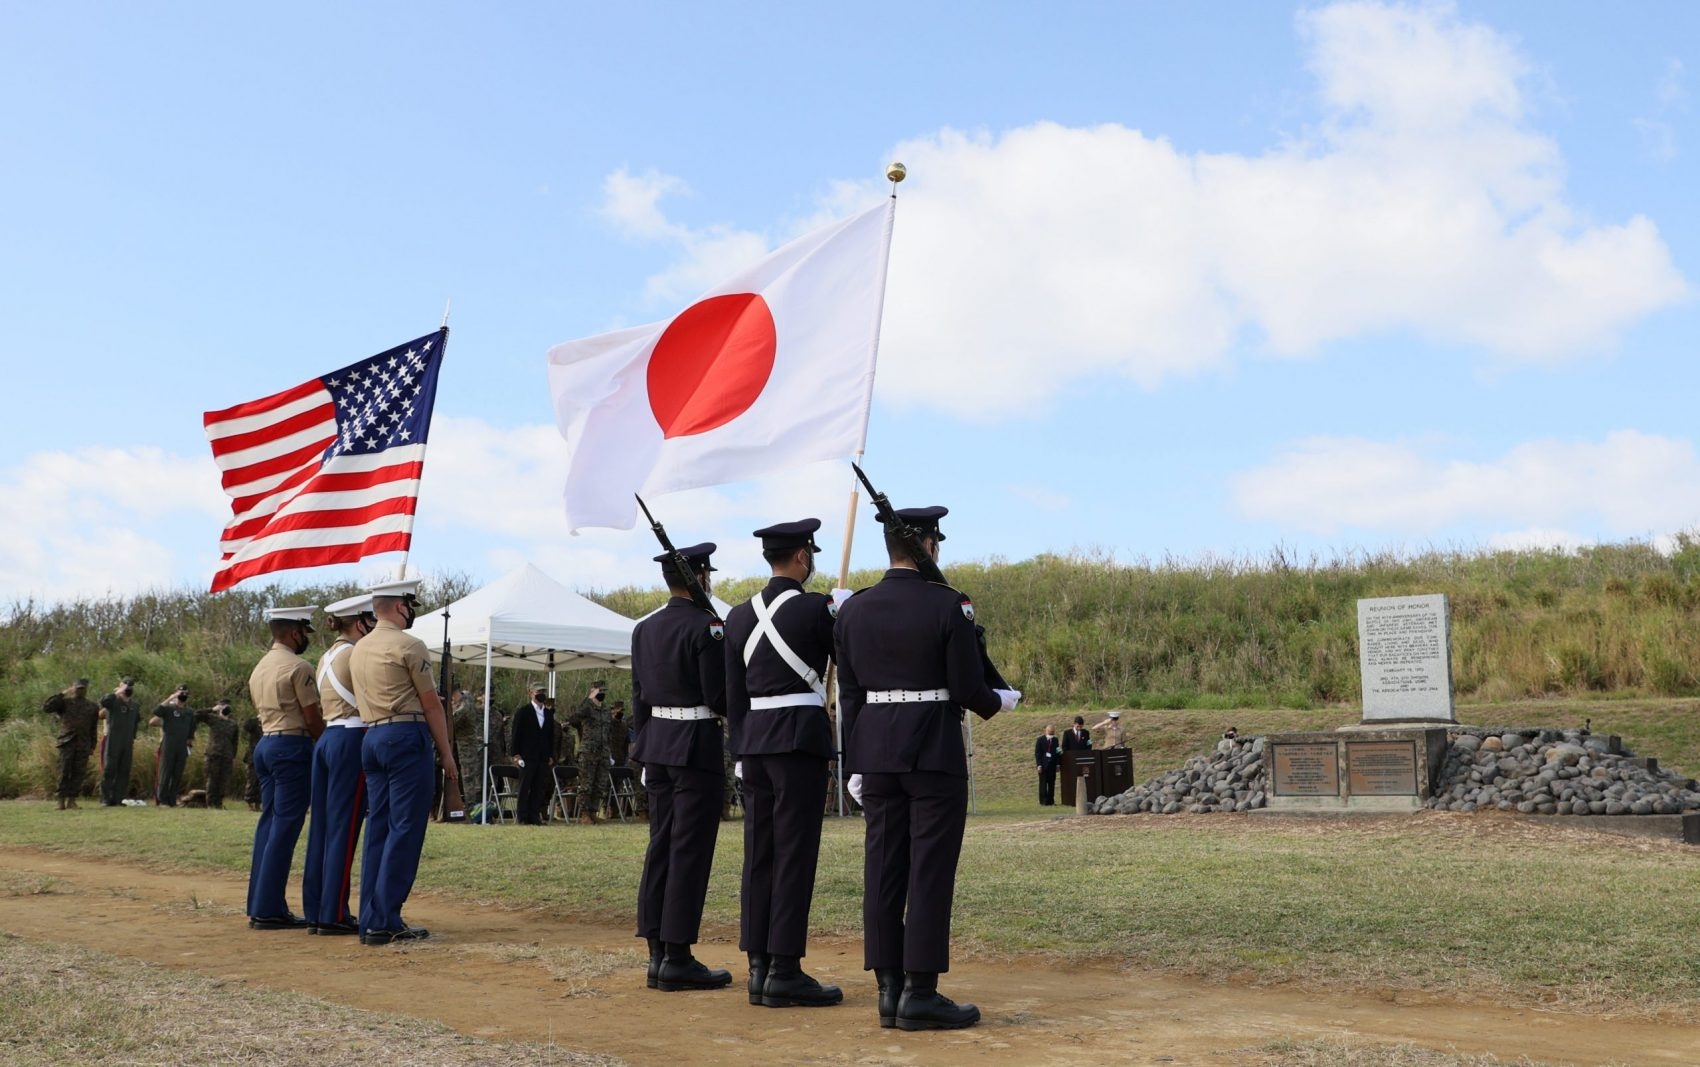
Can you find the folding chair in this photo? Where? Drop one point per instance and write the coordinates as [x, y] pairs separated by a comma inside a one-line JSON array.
[[505, 782], [622, 793], [566, 802]]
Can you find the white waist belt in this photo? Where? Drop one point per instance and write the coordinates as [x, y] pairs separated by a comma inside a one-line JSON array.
[[787, 700], [906, 696], [348, 722], [701, 711]]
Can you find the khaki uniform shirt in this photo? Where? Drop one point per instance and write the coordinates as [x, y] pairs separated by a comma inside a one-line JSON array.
[[281, 685], [390, 670], [1114, 736], [332, 703]]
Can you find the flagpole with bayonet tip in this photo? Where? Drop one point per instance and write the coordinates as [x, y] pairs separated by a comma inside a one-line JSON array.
[[401, 571], [894, 173]]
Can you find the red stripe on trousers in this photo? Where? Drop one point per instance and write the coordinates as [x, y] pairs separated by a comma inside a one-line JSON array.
[[348, 859]]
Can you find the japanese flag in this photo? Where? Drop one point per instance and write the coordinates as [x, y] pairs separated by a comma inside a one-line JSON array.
[[773, 369]]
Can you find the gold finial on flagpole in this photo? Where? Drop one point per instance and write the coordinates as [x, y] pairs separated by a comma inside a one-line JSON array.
[[894, 173]]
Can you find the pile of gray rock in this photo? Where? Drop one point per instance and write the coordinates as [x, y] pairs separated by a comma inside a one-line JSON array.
[[1521, 769], [1229, 779], [1553, 772]]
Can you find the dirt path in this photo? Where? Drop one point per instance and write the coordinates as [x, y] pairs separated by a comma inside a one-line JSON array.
[[467, 976]]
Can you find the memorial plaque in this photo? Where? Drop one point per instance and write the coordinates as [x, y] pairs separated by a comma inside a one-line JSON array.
[[1309, 770], [1405, 654], [1381, 768]]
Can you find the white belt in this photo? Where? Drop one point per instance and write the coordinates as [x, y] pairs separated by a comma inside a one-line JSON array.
[[348, 722], [701, 711], [906, 696], [787, 700]]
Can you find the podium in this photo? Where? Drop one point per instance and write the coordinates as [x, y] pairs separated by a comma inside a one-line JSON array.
[[1115, 770], [1108, 772], [1075, 765]]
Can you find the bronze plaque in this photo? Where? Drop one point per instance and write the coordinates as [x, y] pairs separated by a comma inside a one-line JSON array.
[[1381, 768], [1306, 770]]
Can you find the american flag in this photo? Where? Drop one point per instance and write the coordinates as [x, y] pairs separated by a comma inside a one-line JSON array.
[[326, 472]]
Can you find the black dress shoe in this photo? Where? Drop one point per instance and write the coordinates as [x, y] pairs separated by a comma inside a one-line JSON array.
[[891, 989], [334, 929], [932, 1010], [278, 922], [758, 975], [788, 987], [655, 957], [683, 971], [385, 937]]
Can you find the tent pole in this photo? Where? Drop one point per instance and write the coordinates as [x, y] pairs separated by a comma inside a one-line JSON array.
[[489, 786]]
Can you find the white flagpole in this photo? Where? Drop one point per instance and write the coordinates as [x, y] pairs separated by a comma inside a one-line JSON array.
[[896, 173]]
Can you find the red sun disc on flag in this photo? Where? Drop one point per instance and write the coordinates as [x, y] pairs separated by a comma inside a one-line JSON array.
[[711, 363]]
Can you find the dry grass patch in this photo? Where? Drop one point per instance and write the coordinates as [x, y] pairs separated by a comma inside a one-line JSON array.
[[577, 968], [1346, 1052], [67, 1005]]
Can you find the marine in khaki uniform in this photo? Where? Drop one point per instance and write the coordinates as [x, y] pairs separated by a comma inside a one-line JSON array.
[[78, 717], [405, 720], [286, 699], [222, 733], [338, 779], [1114, 735]]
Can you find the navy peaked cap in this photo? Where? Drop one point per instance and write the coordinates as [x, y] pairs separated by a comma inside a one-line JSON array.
[[783, 535], [695, 555], [926, 520]]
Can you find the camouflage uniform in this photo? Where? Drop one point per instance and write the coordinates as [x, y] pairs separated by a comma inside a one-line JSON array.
[[591, 719], [222, 733], [78, 718], [252, 731]]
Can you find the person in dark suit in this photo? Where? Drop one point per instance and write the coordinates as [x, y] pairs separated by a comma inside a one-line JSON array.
[[1047, 755], [678, 702], [777, 647], [1078, 737], [534, 741], [909, 662]]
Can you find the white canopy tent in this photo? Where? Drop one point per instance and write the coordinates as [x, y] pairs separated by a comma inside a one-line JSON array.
[[527, 621]]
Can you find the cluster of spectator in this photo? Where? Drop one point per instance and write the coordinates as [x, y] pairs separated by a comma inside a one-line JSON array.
[[81, 738], [1049, 748], [538, 749]]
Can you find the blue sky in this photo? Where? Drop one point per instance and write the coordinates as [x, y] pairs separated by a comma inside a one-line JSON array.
[[1167, 280]]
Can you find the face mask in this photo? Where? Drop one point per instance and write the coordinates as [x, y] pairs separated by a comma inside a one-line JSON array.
[[412, 613], [811, 574]]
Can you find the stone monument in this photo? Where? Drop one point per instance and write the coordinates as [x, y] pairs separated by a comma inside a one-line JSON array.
[[1405, 653]]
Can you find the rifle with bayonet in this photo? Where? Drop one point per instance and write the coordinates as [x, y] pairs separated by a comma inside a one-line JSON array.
[[699, 595], [924, 562]]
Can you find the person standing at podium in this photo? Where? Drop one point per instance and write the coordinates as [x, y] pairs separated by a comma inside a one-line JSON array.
[[1047, 756], [1114, 735], [1077, 738]]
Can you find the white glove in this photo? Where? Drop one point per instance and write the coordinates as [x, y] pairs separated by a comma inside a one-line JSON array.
[[643, 777], [738, 770], [1010, 698], [839, 596], [855, 787]]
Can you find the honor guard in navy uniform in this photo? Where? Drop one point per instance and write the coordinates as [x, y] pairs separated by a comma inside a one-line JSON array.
[[678, 699], [777, 647], [339, 781], [405, 721], [287, 703], [909, 662]]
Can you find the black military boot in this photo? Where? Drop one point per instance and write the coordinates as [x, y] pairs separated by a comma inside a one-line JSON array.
[[758, 975], [923, 1007], [681, 970], [655, 957], [891, 988], [788, 987]]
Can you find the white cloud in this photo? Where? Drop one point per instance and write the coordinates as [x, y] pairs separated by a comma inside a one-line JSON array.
[[1423, 200], [1526, 540], [1628, 484], [77, 520]]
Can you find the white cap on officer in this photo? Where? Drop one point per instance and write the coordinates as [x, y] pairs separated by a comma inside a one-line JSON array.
[[398, 587], [349, 607], [290, 614]]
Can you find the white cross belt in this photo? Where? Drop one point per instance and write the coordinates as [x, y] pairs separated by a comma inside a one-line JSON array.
[[787, 700], [701, 711], [906, 696]]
